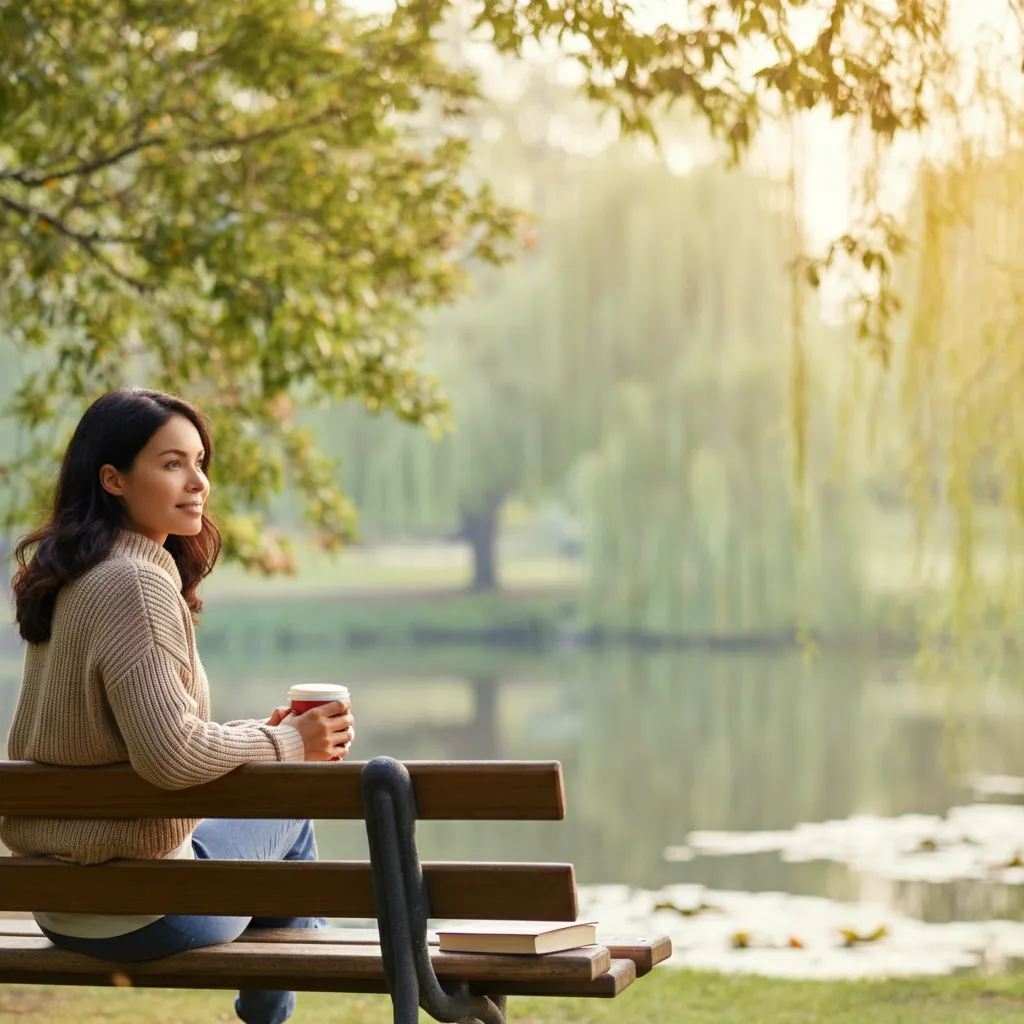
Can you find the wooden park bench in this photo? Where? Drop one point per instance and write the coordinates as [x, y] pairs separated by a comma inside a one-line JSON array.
[[400, 958]]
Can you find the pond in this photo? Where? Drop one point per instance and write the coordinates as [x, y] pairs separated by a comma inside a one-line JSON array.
[[677, 765]]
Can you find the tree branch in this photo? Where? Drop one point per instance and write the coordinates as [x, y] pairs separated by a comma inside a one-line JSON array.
[[90, 243], [33, 179]]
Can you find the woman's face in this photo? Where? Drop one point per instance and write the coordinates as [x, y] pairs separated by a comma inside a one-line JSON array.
[[165, 490]]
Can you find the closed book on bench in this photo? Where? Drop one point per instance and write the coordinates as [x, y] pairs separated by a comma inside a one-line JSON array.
[[516, 936]]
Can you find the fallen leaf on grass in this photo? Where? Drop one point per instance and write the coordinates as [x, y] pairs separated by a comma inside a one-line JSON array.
[[852, 938]]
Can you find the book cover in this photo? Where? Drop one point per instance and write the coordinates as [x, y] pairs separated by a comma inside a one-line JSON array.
[[516, 936]]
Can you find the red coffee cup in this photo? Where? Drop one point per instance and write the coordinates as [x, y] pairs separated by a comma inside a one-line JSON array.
[[304, 696]]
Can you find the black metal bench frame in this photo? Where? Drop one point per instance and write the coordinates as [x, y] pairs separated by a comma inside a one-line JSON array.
[[403, 906]]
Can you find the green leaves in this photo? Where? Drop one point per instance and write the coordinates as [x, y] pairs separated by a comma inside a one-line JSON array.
[[233, 203], [255, 202]]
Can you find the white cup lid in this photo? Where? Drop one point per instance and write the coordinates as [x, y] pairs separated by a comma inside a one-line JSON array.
[[318, 691]]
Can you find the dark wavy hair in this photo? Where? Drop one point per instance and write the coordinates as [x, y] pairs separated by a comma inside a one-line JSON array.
[[86, 519]]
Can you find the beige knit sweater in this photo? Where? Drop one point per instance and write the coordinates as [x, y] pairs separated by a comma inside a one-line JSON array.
[[120, 680]]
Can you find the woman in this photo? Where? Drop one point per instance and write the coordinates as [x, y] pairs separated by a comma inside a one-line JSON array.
[[105, 597]]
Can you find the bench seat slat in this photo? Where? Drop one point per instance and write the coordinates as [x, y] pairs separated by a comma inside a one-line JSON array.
[[307, 964], [454, 790], [616, 979], [621, 974], [645, 953], [512, 891]]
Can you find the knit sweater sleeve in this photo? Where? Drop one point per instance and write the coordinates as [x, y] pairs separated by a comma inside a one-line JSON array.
[[168, 744]]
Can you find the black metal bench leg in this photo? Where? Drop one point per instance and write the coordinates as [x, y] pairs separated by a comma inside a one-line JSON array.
[[402, 906]]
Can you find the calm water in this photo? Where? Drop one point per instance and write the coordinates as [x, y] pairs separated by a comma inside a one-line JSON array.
[[655, 746]]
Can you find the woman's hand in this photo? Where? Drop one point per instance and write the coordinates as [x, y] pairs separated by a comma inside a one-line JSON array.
[[278, 715], [327, 731]]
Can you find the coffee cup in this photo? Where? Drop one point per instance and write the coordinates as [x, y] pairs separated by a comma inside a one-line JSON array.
[[303, 697]]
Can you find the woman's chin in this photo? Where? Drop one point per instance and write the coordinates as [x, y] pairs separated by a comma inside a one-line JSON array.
[[187, 530]]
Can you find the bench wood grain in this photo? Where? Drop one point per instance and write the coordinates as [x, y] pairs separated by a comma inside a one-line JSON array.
[[542, 892], [454, 790], [294, 965], [645, 953], [615, 980]]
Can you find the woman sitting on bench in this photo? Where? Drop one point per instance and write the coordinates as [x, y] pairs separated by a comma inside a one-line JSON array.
[[106, 597]]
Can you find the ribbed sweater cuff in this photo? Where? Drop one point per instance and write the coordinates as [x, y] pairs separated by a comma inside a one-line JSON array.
[[287, 741]]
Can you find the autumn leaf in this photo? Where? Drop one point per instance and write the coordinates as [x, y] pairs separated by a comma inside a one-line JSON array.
[[853, 938]]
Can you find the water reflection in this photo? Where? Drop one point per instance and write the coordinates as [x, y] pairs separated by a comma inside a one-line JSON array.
[[476, 735], [655, 746]]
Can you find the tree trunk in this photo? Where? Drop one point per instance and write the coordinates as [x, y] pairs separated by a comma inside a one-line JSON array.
[[480, 532]]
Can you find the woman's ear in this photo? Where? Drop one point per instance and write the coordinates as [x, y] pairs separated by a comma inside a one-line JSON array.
[[111, 481]]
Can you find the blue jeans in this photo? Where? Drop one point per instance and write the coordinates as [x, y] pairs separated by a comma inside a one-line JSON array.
[[218, 839]]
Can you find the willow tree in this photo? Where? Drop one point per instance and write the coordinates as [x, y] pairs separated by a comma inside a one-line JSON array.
[[483, 348], [694, 526], [406, 482], [642, 277], [253, 202], [694, 523], [957, 399]]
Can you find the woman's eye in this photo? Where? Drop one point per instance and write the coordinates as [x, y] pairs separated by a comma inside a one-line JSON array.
[[173, 463]]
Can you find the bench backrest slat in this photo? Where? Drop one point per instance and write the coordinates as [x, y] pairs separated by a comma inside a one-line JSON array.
[[512, 891], [457, 790]]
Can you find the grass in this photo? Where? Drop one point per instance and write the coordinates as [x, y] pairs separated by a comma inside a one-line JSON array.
[[390, 599], [668, 995], [388, 568]]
